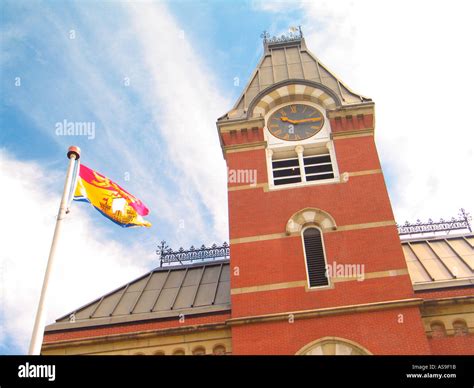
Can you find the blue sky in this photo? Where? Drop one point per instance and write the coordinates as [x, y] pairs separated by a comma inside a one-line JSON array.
[[59, 78], [154, 76]]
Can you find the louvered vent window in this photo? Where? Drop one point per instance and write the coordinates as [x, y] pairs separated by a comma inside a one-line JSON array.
[[315, 261], [286, 171], [318, 167], [312, 165]]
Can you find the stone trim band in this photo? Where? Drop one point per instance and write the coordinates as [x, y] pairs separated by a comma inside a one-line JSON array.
[[304, 283], [343, 228]]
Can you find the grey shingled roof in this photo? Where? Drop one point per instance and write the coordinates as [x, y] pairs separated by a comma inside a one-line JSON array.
[[162, 293]]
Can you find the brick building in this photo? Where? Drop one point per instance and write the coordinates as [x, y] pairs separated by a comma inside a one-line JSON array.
[[316, 265]]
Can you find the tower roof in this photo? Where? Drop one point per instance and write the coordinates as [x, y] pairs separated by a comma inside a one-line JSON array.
[[287, 61]]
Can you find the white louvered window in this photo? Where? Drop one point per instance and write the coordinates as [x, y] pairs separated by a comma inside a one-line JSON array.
[[315, 257], [286, 171], [307, 166], [318, 167]]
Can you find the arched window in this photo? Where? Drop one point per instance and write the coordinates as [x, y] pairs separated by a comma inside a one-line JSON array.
[[333, 346], [438, 330], [315, 257], [178, 352], [199, 351], [219, 350], [159, 353], [460, 328]]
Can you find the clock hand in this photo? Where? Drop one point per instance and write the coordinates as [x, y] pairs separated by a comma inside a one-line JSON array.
[[287, 120], [313, 119]]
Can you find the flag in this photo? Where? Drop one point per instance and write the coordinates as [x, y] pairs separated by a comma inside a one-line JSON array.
[[109, 199]]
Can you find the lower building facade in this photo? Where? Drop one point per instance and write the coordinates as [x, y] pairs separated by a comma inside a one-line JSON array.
[[187, 310]]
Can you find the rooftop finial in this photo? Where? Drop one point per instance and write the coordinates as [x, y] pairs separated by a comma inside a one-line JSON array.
[[295, 34], [265, 35]]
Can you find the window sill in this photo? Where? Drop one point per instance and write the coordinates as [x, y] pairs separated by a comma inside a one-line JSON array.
[[319, 288], [305, 184]]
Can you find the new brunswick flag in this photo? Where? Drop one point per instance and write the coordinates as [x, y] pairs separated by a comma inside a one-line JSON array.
[[110, 199]]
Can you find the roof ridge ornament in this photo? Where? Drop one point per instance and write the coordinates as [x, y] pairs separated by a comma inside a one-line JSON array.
[[295, 34], [168, 256], [460, 223]]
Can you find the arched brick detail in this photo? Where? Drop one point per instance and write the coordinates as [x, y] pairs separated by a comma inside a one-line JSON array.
[[310, 216], [288, 91]]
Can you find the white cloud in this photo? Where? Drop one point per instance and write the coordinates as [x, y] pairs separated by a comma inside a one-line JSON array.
[[413, 59], [186, 104], [161, 126], [88, 262], [177, 91]]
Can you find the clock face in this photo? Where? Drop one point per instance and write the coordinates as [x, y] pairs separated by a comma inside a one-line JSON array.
[[295, 122]]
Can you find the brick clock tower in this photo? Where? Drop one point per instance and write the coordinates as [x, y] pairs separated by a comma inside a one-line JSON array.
[[316, 261]]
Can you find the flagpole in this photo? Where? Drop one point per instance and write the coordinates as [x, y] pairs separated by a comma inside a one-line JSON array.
[[74, 153]]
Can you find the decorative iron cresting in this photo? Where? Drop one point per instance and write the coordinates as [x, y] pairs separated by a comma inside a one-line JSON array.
[[446, 226], [294, 35], [168, 256]]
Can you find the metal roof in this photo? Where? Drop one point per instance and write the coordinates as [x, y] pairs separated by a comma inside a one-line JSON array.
[[290, 61], [162, 293], [440, 262]]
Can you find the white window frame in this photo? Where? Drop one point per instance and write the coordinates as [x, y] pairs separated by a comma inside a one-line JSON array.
[[320, 140], [329, 285], [299, 153], [301, 175]]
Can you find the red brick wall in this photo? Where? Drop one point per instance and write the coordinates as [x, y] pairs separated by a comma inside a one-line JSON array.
[[356, 154], [254, 160], [379, 332], [353, 122], [242, 136], [348, 247], [269, 266], [344, 294], [363, 199]]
